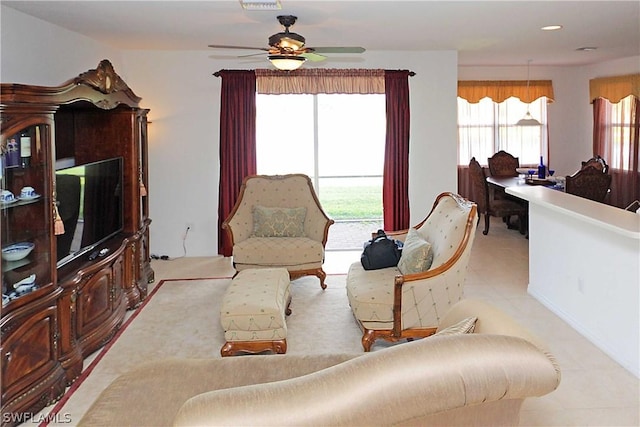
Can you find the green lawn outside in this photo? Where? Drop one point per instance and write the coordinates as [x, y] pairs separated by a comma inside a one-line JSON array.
[[354, 202]]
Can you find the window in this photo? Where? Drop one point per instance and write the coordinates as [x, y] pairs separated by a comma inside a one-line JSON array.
[[618, 127], [616, 130], [486, 127], [338, 141]]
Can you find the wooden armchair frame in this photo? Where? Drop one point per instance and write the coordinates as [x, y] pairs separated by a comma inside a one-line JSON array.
[[397, 332]]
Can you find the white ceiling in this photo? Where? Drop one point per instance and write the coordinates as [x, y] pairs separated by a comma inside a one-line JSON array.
[[484, 32]]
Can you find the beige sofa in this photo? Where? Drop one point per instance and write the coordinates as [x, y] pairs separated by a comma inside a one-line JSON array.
[[462, 379], [291, 229], [407, 301]]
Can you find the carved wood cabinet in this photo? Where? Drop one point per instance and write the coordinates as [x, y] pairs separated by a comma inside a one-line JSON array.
[[56, 313]]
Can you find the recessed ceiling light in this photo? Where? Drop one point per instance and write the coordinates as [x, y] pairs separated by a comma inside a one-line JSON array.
[[551, 27], [587, 48], [261, 4]]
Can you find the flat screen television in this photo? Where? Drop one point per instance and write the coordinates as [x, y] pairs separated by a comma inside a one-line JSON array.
[[90, 205]]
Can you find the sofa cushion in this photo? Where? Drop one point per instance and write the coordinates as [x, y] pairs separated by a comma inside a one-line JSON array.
[[417, 254], [276, 251], [370, 293], [465, 326], [278, 222]]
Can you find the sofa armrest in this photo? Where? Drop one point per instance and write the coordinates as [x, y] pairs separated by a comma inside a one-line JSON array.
[[166, 384], [452, 271], [491, 320], [410, 383]]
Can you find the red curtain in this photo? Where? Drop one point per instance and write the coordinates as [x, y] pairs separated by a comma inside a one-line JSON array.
[[237, 142], [395, 180], [625, 182]]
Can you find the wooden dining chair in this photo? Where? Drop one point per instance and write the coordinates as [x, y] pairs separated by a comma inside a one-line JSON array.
[[589, 183], [598, 163], [503, 164], [491, 206]]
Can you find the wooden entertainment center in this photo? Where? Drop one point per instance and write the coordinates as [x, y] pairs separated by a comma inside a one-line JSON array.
[[53, 314]]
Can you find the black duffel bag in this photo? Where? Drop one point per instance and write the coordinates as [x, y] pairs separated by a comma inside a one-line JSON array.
[[381, 252]]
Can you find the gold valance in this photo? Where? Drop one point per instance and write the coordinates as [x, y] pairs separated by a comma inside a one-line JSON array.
[[499, 90], [321, 80], [614, 88]]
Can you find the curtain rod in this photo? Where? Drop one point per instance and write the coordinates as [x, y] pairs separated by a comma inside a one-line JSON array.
[[218, 73]]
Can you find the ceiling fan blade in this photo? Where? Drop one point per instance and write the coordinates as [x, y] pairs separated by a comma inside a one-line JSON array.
[[338, 49], [251, 54], [312, 56], [221, 46]]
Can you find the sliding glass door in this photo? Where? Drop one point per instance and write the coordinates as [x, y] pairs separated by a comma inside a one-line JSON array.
[[338, 141]]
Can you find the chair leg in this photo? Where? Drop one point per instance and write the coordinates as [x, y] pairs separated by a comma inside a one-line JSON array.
[[486, 224], [322, 275], [368, 339], [523, 224]]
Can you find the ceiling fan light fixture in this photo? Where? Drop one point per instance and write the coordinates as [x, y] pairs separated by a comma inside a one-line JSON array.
[[287, 41], [261, 4], [287, 62]]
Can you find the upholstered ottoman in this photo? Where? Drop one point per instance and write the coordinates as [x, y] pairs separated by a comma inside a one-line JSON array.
[[253, 312]]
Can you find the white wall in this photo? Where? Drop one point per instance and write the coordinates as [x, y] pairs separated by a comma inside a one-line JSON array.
[[183, 96], [36, 52], [594, 290]]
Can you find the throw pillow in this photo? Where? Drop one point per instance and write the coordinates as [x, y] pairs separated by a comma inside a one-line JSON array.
[[417, 254], [278, 222], [465, 326]]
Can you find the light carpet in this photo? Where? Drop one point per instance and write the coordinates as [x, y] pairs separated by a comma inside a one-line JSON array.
[[181, 319]]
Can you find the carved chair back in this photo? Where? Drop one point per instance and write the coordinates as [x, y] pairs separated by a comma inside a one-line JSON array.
[[503, 164], [589, 183], [480, 188], [598, 163], [284, 191]]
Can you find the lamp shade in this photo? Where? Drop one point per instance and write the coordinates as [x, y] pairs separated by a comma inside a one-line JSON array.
[[528, 120], [287, 62]]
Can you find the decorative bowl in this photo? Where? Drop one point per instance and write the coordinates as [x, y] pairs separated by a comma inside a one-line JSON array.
[[17, 251], [26, 285]]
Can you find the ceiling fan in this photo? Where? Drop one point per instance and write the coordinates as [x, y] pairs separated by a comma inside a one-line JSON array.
[[287, 50]]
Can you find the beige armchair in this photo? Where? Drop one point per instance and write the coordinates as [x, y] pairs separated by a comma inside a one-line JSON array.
[[405, 302], [278, 222]]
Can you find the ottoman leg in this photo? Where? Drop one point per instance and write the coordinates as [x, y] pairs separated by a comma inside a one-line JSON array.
[[231, 348]]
